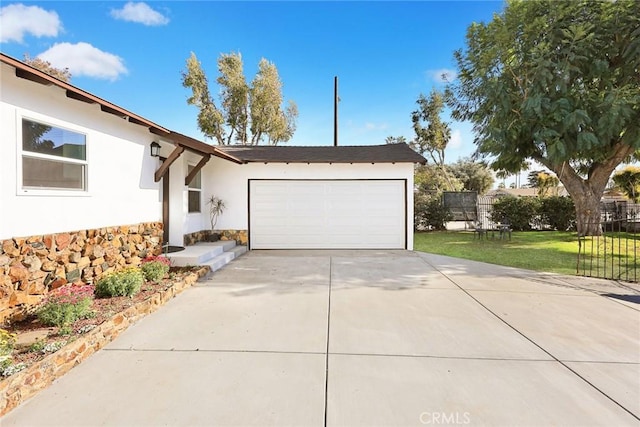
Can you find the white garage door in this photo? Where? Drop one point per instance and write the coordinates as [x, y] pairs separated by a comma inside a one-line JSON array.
[[349, 214]]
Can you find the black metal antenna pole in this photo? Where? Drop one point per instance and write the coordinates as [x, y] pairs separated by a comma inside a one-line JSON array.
[[335, 111]]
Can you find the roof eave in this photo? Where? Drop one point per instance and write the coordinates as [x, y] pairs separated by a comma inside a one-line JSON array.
[[33, 74]]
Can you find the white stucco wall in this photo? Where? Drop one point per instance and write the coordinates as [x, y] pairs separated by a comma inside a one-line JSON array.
[[120, 170], [229, 181]]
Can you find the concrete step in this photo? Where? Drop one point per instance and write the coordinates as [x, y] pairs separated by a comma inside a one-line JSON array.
[[239, 250], [200, 253], [225, 244], [220, 261], [225, 258]]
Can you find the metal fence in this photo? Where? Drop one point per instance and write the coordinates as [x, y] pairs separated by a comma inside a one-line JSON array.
[[484, 207], [615, 253]]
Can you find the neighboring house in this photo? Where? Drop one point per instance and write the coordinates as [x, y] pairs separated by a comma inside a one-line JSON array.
[[79, 162]]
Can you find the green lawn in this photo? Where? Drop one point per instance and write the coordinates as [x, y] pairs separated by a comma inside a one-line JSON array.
[[549, 251]]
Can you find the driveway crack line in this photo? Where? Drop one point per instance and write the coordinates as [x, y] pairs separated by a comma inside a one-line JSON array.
[[530, 340], [326, 361], [200, 350]]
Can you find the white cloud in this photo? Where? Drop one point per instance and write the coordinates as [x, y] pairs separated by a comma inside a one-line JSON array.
[[140, 13], [456, 139], [82, 59], [18, 20], [443, 75]]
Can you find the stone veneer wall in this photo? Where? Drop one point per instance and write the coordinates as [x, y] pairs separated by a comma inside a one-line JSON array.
[[32, 266], [240, 236]]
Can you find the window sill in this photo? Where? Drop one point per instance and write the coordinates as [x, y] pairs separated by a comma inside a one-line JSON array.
[[53, 193]]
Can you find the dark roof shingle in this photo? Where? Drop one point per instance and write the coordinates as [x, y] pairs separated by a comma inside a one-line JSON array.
[[388, 153]]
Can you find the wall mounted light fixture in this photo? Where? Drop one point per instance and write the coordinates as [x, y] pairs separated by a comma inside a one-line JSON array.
[[155, 149]]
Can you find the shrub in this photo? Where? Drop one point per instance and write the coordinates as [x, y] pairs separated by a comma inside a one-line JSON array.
[[558, 212], [125, 282], [44, 348], [7, 341], [8, 370], [430, 212], [521, 212], [65, 305], [154, 268]]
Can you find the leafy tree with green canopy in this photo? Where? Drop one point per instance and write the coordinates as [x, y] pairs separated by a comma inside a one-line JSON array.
[[432, 180], [474, 176], [628, 181], [432, 134], [557, 82], [248, 114]]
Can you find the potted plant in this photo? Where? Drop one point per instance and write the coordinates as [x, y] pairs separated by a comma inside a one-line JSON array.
[[216, 208]]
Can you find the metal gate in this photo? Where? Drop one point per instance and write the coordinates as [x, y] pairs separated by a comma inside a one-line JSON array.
[[615, 253]]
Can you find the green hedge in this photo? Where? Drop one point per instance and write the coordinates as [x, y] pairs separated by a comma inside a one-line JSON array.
[[430, 212], [525, 213]]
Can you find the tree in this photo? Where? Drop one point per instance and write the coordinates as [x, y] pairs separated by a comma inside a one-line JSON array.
[[532, 178], [248, 114], [32, 137], [474, 176], [546, 183], [395, 140], [431, 179], [45, 66], [432, 134], [555, 82], [628, 181]]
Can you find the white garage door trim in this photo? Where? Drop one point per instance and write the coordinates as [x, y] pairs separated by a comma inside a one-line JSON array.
[[327, 214]]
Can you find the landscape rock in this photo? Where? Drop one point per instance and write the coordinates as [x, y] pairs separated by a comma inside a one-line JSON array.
[[45, 262]]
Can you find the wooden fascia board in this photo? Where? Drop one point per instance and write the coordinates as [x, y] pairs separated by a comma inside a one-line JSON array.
[[196, 169], [164, 167]]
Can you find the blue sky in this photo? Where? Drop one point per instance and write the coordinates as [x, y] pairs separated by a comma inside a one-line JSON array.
[[384, 53]]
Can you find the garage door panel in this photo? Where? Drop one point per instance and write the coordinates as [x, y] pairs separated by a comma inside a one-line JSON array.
[[327, 214]]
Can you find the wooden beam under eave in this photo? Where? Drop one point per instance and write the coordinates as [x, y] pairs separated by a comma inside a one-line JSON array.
[[79, 97], [196, 169], [33, 77], [164, 167]]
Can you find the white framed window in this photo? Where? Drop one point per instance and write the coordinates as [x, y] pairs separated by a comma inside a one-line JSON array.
[[195, 191], [52, 158]]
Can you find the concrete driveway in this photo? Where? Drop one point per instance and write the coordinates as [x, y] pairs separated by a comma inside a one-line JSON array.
[[365, 338]]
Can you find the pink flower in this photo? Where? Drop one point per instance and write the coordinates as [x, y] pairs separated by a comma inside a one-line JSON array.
[[71, 294], [152, 258]]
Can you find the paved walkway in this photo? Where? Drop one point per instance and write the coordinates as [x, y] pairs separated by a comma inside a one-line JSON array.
[[364, 338]]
